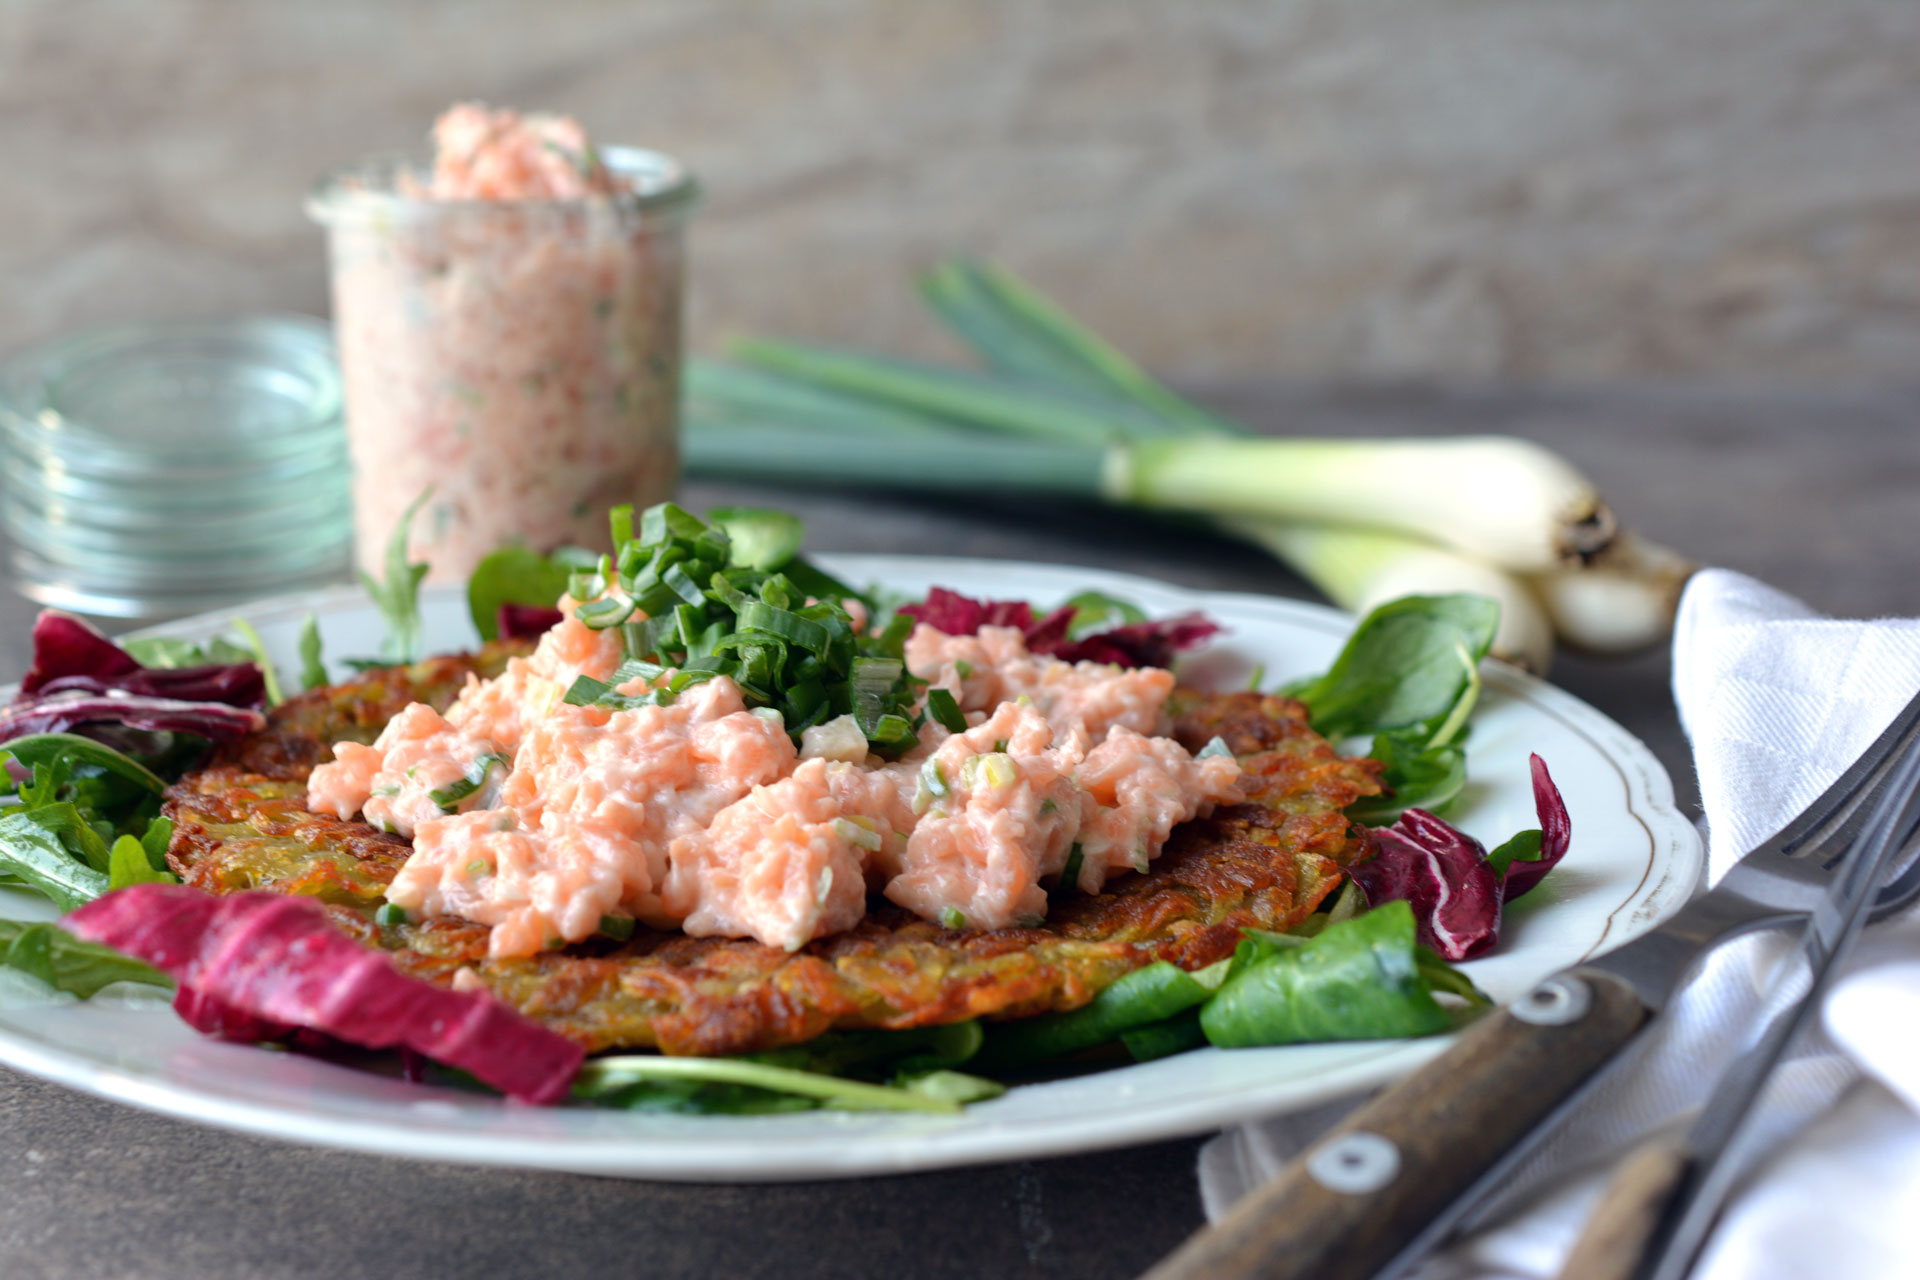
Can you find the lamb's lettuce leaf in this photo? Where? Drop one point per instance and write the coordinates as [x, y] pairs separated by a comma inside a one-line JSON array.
[[1363, 979], [1409, 677]]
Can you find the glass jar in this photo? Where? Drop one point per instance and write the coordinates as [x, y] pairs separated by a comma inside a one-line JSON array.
[[161, 469], [518, 358]]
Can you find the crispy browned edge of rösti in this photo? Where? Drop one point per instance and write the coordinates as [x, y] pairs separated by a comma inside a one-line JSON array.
[[241, 823]]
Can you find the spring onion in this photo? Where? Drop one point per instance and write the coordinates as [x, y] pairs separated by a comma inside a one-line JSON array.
[[1060, 411], [450, 796], [1623, 601]]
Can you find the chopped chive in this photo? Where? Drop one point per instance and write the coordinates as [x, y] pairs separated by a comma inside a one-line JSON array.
[[450, 796], [942, 707], [390, 915], [1070, 874]]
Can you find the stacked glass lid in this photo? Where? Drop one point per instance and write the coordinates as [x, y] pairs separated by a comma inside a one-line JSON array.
[[158, 470]]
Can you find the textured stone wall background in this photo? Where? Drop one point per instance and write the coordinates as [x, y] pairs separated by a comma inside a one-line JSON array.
[[1348, 189]]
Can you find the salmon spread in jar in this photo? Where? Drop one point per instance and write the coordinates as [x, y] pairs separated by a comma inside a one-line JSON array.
[[508, 322]]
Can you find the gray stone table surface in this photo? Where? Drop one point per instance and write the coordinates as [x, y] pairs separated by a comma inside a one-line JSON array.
[[1813, 490]]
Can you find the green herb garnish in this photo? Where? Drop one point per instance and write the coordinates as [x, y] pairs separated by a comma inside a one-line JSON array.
[[398, 596]]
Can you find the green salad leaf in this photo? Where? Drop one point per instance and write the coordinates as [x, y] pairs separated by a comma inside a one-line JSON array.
[[65, 963], [59, 828], [1096, 611], [129, 863], [32, 853], [1410, 676], [649, 1082], [1361, 979], [397, 596], [172, 654], [256, 650], [761, 537], [1142, 998], [520, 575], [313, 670]]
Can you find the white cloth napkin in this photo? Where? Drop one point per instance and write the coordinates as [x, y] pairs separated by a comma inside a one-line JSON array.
[[1777, 701]]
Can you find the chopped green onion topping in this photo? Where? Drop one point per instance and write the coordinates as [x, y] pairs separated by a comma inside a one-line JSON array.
[[1070, 874], [952, 918], [942, 707], [859, 832], [619, 928], [389, 915], [1216, 746], [450, 796]]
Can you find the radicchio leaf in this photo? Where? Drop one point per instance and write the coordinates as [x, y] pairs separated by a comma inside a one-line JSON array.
[[1455, 891], [1139, 644], [82, 680], [73, 709], [256, 966], [1556, 833], [1444, 875], [70, 655], [525, 621]]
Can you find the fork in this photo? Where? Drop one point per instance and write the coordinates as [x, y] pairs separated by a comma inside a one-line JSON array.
[[1379, 1190], [1660, 1206]]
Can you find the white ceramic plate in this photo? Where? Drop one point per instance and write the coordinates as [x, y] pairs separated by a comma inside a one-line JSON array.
[[1634, 861]]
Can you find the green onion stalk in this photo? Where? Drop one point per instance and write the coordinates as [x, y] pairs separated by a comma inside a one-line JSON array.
[[1057, 411]]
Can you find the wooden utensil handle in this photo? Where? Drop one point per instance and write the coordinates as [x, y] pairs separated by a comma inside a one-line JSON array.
[[1617, 1235], [1365, 1189]]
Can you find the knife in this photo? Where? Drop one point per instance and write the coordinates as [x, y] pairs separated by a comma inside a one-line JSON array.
[[1398, 1174]]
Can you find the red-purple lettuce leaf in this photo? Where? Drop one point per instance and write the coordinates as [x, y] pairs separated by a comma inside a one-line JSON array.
[[525, 621], [1522, 872], [1139, 644], [74, 709], [260, 966], [1455, 888], [70, 655], [79, 678]]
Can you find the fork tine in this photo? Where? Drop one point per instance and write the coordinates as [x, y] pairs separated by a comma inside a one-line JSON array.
[[1899, 893], [1830, 823]]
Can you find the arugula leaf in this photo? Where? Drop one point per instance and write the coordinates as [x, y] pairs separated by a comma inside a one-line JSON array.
[[313, 671], [171, 654], [398, 596], [520, 575], [159, 835], [65, 963], [57, 837], [38, 857], [256, 650], [1361, 979], [128, 863], [48, 749]]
